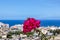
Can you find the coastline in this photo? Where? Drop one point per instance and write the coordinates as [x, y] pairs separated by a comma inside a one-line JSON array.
[[19, 27]]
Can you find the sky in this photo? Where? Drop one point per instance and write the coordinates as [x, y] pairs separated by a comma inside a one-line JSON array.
[[22, 9]]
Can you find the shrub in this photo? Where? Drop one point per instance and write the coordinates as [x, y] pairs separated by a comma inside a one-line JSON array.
[[0, 37]]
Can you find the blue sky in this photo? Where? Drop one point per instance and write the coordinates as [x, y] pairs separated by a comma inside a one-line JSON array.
[[22, 9]]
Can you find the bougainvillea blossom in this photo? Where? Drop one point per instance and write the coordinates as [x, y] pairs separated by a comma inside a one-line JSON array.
[[30, 24]]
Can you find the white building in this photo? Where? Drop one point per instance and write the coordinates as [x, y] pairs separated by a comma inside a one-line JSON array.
[[2, 25], [17, 27], [53, 27]]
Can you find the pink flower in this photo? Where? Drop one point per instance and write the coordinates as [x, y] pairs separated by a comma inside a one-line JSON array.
[[30, 24]]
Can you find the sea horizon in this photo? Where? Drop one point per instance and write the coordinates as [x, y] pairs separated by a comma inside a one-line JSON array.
[[44, 23]]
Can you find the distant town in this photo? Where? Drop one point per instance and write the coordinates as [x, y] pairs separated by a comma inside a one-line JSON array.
[[16, 31]]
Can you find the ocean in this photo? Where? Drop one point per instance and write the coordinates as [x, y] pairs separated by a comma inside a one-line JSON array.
[[44, 23]]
